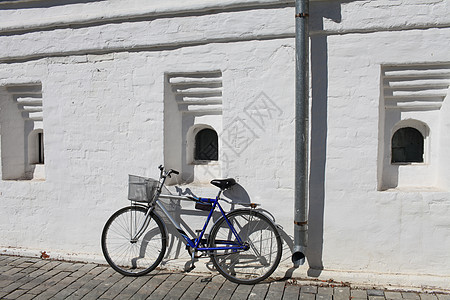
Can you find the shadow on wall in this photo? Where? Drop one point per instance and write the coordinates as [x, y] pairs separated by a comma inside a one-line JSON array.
[[41, 4], [176, 249], [319, 130]]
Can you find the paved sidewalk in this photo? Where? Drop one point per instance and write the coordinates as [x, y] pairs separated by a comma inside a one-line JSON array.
[[33, 278]]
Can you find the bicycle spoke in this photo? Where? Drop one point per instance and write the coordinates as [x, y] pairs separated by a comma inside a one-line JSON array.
[[125, 253], [259, 235]]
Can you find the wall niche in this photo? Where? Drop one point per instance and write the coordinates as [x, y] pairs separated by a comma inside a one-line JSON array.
[[412, 126], [193, 125], [22, 132]]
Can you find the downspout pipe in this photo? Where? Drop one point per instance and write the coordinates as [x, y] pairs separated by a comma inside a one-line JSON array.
[[301, 131]]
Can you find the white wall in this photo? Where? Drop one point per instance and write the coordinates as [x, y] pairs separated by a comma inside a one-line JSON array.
[[104, 91], [393, 230]]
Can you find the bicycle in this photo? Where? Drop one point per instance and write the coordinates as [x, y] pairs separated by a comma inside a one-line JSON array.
[[244, 245]]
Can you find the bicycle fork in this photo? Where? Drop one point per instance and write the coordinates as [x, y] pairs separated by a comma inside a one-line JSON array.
[[142, 227]]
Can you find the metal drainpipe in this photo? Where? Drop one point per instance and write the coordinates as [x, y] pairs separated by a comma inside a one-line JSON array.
[[301, 131]]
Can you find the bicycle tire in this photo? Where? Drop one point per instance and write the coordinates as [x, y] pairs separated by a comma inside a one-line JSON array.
[[133, 258], [265, 247]]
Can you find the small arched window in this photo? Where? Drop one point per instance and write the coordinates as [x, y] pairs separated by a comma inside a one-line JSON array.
[[36, 147], [407, 146], [40, 148], [206, 145]]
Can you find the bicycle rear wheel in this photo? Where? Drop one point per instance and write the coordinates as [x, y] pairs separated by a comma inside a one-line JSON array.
[[263, 242], [128, 255]]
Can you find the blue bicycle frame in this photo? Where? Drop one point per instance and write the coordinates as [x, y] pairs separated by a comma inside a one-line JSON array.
[[195, 242]]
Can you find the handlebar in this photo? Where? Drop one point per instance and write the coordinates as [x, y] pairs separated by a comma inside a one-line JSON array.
[[165, 174]]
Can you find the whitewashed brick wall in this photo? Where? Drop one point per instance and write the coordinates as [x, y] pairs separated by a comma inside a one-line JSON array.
[[102, 68]]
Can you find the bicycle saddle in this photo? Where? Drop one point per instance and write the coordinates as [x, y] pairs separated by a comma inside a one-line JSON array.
[[223, 183]]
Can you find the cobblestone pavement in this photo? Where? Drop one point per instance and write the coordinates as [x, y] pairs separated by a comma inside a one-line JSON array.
[[34, 278]]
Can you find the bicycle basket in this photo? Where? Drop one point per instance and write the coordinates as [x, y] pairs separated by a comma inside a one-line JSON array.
[[141, 189]]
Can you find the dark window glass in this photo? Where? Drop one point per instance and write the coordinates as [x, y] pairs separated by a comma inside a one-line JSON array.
[[407, 146], [40, 147], [206, 145]]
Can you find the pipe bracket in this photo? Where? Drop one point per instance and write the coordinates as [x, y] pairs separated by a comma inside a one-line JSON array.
[[301, 223], [302, 15]]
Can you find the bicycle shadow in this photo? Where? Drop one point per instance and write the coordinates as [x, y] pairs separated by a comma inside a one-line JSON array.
[[185, 210], [238, 192]]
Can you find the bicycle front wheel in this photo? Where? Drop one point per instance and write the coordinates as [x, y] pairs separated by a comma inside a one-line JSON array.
[[262, 241], [126, 251]]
